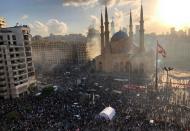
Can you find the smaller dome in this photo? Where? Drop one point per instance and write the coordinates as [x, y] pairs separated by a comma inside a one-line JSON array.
[[119, 35]]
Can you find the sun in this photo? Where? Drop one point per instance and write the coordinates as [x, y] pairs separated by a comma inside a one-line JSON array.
[[174, 12]]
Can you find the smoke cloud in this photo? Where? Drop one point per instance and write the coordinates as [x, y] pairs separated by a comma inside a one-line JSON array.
[[95, 21], [93, 48], [118, 18]]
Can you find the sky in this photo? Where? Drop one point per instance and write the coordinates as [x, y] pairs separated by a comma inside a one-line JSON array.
[[75, 16]]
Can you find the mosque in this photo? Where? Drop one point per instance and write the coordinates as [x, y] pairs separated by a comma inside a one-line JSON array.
[[120, 54]]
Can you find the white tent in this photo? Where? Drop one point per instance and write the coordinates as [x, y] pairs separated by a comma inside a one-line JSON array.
[[108, 113], [38, 94]]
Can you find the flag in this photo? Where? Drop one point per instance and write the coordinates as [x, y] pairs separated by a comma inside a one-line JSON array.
[[161, 50]]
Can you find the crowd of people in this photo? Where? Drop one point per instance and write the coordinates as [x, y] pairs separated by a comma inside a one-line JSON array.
[[76, 107]]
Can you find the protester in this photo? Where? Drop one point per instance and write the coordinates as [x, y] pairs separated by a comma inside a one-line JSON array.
[[76, 107]]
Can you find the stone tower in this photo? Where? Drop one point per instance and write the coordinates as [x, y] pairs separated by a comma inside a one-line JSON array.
[[107, 44], [141, 31], [102, 35], [131, 26]]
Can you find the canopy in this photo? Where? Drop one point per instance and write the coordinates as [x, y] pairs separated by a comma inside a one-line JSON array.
[[108, 113]]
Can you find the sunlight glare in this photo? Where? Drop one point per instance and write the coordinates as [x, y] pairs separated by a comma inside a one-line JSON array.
[[174, 12]]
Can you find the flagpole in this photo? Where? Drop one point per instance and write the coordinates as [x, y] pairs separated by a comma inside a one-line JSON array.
[[156, 80]]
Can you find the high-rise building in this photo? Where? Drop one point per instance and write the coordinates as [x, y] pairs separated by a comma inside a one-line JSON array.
[[17, 72], [2, 22]]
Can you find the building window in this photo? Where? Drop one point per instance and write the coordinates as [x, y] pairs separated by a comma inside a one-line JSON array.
[[26, 37], [11, 49], [13, 37], [1, 37], [14, 43], [26, 43], [16, 49], [8, 37], [12, 55]]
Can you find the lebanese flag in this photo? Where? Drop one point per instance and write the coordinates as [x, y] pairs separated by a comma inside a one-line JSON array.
[[161, 50]]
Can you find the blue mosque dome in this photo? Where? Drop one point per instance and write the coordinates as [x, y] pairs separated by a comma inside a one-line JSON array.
[[119, 35]]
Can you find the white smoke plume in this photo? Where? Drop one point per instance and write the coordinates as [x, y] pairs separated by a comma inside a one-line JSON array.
[[93, 48], [95, 21], [119, 16]]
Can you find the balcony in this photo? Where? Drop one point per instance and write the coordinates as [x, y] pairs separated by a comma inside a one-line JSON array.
[[1, 67], [29, 58], [25, 75], [2, 73], [27, 49], [21, 81], [28, 54], [2, 76], [1, 79], [2, 85], [21, 67], [22, 72], [17, 58], [20, 63], [1, 43], [30, 69], [31, 74], [30, 64], [26, 43], [2, 91], [27, 37]]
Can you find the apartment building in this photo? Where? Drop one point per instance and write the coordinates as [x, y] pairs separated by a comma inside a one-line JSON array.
[[17, 72]]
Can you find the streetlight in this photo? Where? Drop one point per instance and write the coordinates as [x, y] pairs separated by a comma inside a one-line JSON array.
[[167, 69]]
